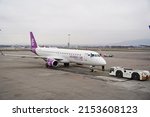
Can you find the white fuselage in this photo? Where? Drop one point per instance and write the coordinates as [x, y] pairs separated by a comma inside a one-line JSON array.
[[72, 56]]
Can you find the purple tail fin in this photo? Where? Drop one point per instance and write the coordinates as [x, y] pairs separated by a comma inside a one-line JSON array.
[[33, 43]]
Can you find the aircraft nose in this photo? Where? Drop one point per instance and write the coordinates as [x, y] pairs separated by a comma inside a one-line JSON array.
[[102, 61]]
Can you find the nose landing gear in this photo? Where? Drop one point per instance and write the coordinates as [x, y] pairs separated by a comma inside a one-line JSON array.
[[103, 68], [92, 68]]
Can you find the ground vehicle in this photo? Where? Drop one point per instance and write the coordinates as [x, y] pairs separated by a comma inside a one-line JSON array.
[[129, 73], [108, 55]]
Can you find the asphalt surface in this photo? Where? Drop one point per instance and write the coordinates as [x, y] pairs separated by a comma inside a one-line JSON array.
[[29, 79]]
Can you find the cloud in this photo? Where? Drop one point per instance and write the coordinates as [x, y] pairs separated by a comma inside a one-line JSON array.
[[88, 21]]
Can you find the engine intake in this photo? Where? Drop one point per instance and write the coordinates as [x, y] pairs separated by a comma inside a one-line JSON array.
[[52, 62]]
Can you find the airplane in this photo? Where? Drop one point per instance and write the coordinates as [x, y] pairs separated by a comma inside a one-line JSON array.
[[53, 56]]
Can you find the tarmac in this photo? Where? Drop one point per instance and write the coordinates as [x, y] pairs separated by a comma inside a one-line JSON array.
[[29, 79]]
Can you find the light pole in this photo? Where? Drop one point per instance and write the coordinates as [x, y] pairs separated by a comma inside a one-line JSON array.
[[69, 40]]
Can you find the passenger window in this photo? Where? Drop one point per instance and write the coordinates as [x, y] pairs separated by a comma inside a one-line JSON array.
[[92, 55]]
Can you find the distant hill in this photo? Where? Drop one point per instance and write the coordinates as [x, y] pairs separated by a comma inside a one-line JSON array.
[[134, 42]]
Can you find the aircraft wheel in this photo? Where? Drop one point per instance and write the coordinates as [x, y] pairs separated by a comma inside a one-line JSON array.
[[47, 66], [92, 68], [103, 68], [66, 64]]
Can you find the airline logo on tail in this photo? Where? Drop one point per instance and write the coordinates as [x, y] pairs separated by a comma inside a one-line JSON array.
[[33, 43]]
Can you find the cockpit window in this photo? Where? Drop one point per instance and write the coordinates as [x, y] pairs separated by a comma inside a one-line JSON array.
[[94, 55], [97, 55]]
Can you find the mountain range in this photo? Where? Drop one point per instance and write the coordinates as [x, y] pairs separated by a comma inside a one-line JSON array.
[[134, 42]]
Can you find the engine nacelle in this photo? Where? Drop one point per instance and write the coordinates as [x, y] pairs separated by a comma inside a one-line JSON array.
[[52, 62]]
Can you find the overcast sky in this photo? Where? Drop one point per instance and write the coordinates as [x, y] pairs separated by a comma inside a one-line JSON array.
[[88, 21]]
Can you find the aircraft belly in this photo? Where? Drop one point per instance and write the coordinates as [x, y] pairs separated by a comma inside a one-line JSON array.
[[65, 60], [76, 59]]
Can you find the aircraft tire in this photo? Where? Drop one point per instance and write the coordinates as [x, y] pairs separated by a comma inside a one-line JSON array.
[[103, 68], [92, 70], [46, 65], [66, 64]]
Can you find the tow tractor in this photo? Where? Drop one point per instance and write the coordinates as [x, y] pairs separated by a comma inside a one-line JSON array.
[[122, 72]]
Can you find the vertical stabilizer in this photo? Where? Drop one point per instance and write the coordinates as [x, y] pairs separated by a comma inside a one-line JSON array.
[[33, 42]]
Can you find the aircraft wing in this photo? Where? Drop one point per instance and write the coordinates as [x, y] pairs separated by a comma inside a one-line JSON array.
[[23, 56], [32, 56]]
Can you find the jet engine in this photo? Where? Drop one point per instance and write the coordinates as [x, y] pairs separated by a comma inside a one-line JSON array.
[[52, 62]]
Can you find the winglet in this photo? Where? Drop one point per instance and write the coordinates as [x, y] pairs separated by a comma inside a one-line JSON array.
[[33, 43]]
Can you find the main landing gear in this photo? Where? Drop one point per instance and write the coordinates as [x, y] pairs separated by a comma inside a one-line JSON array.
[[103, 68], [66, 64], [47, 66], [92, 68]]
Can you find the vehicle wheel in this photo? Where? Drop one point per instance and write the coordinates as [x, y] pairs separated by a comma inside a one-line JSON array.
[[119, 74], [135, 76]]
